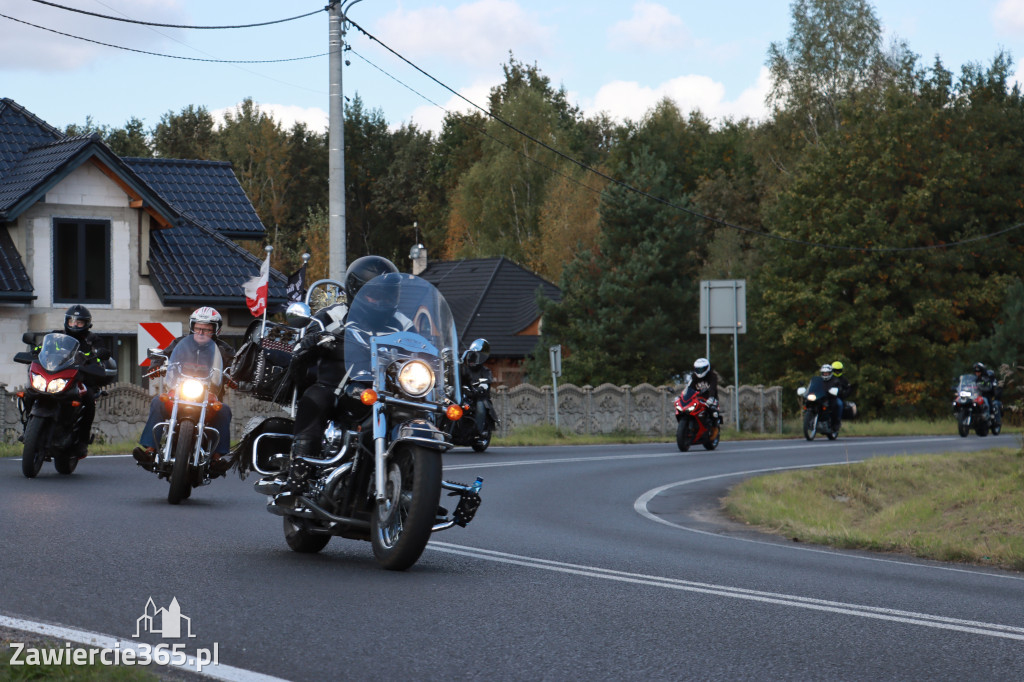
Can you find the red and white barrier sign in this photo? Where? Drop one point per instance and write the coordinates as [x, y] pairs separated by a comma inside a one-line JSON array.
[[156, 335]]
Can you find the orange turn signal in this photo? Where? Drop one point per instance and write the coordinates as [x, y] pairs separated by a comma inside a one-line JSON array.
[[20, 394], [453, 412], [75, 403], [368, 397], [215, 405]]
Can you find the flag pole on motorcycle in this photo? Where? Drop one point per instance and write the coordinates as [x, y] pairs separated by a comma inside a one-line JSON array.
[[256, 291]]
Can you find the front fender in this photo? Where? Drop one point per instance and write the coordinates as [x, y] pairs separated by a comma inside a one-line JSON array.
[[421, 432]]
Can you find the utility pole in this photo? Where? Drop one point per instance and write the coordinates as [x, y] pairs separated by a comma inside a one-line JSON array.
[[336, 140]]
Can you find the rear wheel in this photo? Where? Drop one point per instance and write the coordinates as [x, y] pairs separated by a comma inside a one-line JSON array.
[[183, 447], [34, 452], [302, 540], [683, 437], [810, 424], [982, 428], [65, 463], [400, 526]]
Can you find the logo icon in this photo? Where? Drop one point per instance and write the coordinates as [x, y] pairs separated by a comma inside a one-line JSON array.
[[166, 622]]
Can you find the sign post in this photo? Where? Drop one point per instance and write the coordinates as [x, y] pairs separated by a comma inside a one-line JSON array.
[[723, 310], [555, 353], [155, 335]]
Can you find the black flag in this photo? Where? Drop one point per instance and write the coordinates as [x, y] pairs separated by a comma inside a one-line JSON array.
[[297, 285]]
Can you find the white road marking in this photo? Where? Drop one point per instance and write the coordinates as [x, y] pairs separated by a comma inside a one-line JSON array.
[[859, 610]]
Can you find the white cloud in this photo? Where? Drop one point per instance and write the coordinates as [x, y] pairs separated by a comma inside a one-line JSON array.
[[1008, 16], [286, 115], [429, 117], [652, 27], [33, 48], [479, 34], [629, 100]]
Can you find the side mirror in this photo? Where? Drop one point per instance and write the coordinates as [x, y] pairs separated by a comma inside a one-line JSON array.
[[801, 391], [297, 314], [29, 338]]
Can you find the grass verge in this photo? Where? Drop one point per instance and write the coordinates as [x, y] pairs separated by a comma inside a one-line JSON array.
[[960, 507], [79, 673]]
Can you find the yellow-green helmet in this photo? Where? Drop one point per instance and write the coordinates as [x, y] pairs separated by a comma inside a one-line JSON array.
[[837, 368]]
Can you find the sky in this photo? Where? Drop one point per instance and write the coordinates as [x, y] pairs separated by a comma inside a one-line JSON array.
[[618, 57]]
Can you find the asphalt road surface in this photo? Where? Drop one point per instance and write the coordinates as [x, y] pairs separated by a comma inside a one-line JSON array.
[[584, 563]]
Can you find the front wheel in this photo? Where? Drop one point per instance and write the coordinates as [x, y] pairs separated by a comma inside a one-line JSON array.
[[713, 437], [683, 437], [481, 442], [183, 448], [401, 524], [982, 428], [996, 428], [34, 453], [963, 423], [300, 539], [810, 424]]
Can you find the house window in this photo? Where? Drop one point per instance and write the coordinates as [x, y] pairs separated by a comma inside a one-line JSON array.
[[81, 261]]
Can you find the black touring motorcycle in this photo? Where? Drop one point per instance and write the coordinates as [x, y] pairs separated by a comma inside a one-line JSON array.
[[379, 473]]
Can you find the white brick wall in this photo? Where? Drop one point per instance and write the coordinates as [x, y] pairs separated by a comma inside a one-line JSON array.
[[88, 186]]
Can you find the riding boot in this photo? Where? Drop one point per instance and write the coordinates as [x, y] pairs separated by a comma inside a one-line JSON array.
[[299, 471]]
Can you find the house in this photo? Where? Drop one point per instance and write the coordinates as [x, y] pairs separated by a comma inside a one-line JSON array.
[[135, 240], [493, 299]]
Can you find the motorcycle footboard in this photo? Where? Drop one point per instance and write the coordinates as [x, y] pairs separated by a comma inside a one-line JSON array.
[[465, 510]]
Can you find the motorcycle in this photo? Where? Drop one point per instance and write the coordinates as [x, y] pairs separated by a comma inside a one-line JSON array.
[[186, 441], [379, 473], [818, 409], [479, 419], [693, 414], [55, 390], [969, 408]]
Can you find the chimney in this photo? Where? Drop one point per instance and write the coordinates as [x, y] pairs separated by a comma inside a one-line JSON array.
[[418, 254]]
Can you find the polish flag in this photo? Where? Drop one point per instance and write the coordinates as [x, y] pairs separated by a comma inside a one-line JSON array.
[[256, 290]]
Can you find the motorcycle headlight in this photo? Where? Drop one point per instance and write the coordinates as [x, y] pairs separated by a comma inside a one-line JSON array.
[[56, 386], [416, 378], [191, 389], [965, 394], [812, 397], [39, 383]]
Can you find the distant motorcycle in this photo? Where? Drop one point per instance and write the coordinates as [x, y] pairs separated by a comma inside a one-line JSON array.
[[55, 390], [970, 411], [479, 419], [697, 420], [194, 376], [819, 409]]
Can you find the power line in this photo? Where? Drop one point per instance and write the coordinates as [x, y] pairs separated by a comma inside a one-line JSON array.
[[152, 23], [168, 56], [696, 214]]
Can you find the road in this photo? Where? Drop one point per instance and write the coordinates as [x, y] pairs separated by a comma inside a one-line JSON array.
[[584, 563]]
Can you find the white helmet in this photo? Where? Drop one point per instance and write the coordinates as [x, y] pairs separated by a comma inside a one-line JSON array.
[[826, 371], [207, 315], [701, 367]]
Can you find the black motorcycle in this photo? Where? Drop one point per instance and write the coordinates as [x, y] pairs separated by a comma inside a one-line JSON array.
[[969, 408], [819, 407], [51, 405], [379, 473], [479, 419]]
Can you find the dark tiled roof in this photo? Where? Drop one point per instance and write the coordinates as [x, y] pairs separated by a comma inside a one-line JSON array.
[[494, 299], [36, 166], [21, 130], [207, 191], [14, 282], [191, 265]]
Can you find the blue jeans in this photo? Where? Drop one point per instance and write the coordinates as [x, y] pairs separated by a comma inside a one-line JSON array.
[[157, 413]]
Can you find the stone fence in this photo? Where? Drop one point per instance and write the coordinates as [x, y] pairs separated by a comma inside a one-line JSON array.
[[646, 409]]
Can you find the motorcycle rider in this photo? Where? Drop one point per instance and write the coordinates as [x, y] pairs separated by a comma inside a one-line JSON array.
[[997, 397], [204, 325], [844, 391], [471, 370], [985, 385], [77, 323], [323, 351], [705, 382]]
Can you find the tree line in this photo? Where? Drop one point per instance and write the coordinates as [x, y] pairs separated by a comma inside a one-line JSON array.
[[875, 212]]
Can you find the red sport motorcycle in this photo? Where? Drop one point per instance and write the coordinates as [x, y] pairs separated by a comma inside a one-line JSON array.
[[51, 404], [697, 420]]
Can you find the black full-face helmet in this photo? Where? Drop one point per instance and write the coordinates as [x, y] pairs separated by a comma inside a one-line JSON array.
[[979, 368], [362, 270], [378, 300], [73, 319]]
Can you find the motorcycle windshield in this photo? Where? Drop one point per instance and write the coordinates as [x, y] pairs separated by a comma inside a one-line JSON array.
[[968, 384], [396, 318], [58, 352], [817, 388], [198, 360]]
